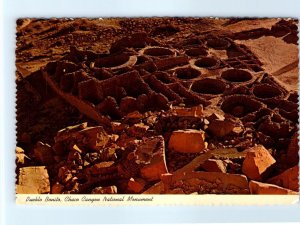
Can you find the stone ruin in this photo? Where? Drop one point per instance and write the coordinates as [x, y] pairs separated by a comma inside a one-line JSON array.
[[199, 116]]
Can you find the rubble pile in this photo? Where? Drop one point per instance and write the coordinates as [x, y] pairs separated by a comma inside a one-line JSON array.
[[177, 118]]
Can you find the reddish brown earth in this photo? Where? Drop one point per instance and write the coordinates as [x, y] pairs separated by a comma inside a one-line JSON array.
[[157, 105]]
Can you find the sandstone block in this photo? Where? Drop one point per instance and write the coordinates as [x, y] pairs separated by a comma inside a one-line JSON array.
[[288, 179], [214, 165], [257, 163], [220, 128], [136, 185], [33, 180], [269, 189], [187, 141], [138, 130], [57, 188], [118, 127], [101, 167], [150, 155]]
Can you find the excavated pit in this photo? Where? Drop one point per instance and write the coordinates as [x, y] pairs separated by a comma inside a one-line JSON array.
[[209, 86], [266, 91], [158, 51], [236, 76], [207, 62], [187, 73], [240, 105], [115, 62]]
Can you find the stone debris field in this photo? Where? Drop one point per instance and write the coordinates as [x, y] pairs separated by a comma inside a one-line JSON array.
[[157, 106]]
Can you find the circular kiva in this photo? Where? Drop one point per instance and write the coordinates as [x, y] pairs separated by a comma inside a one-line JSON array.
[[236, 75], [218, 43], [158, 51], [289, 110], [186, 73], [196, 51], [240, 105], [207, 62], [116, 62], [190, 42], [266, 91], [208, 86]]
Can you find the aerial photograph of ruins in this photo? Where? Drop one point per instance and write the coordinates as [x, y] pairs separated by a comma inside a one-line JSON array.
[[157, 106]]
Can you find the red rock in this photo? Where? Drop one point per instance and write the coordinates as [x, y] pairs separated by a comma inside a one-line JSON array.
[[74, 158], [138, 130], [288, 179], [125, 140], [257, 163], [117, 127], [293, 151], [68, 132], [136, 185], [128, 104], [150, 154], [94, 137], [187, 141], [269, 189], [43, 153], [100, 168], [134, 115], [33, 180], [220, 128], [57, 188], [214, 165], [105, 190], [64, 174]]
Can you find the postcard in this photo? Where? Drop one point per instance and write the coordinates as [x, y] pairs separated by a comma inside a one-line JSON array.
[[157, 111]]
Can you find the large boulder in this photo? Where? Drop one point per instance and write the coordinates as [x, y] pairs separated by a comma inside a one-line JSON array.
[[147, 161], [187, 141], [288, 179], [257, 163], [151, 156], [135, 185], [214, 165], [268, 189], [220, 128], [33, 180]]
